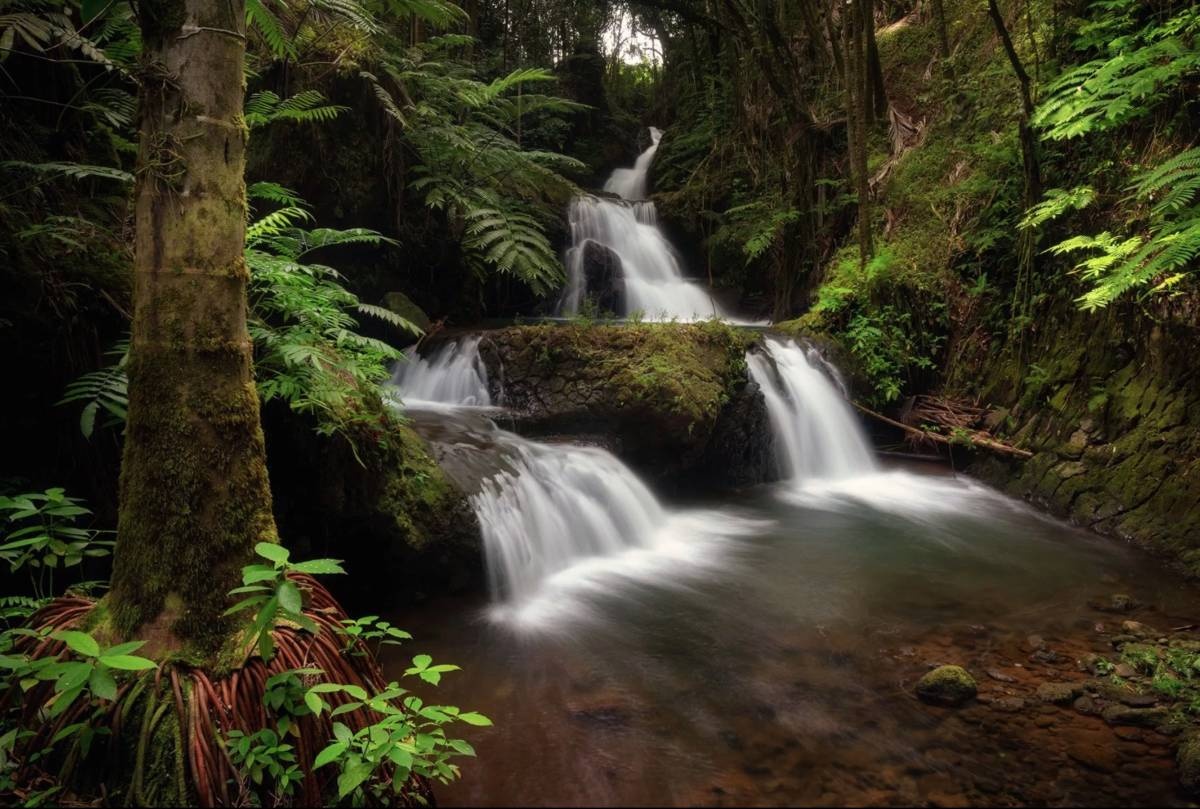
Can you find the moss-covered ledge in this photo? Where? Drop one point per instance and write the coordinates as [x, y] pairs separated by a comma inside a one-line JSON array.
[[383, 505], [672, 399]]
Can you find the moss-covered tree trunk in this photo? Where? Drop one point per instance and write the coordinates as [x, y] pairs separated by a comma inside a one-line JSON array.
[[194, 491]]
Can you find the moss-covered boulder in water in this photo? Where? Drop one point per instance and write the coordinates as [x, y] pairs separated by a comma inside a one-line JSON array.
[[382, 504], [947, 685], [668, 398]]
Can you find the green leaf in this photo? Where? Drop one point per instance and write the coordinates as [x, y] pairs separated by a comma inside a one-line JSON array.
[[127, 662], [290, 599], [102, 684], [352, 777], [330, 753], [318, 566], [270, 550], [476, 719], [79, 642], [125, 648]]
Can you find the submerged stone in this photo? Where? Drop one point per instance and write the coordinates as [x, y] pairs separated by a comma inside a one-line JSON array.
[[947, 685]]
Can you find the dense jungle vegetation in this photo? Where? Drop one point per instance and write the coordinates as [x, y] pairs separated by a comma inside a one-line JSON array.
[[221, 224]]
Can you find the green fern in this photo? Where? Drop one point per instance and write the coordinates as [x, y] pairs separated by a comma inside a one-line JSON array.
[[1142, 68], [1057, 203], [76, 171], [1171, 186], [306, 107], [105, 389], [512, 242]]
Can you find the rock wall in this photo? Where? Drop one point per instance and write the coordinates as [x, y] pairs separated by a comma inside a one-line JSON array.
[[384, 506], [672, 400], [1110, 404]]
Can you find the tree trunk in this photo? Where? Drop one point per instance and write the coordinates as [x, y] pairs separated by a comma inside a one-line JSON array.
[[943, 34], [858, 104], [194, 491], [877, 108]]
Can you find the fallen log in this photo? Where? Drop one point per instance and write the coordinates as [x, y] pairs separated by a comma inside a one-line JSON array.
[[976, 439]]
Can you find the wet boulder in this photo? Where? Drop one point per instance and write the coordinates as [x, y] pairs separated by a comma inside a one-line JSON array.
[[947, 685], [604, 283], [672, 399]]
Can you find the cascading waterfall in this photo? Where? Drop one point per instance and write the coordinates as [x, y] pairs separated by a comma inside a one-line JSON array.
[[558, 520], [816, 433], [651, 281], [631, 183], [453, 375]]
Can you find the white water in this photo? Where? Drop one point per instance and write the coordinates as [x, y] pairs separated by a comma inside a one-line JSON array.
[[816, 433], [631, 183], [561, 523], [453, 375], [654, 285], [823, 454]]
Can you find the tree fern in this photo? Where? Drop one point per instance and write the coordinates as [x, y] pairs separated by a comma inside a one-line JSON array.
[[470, 166], [1056, 203], [1141, 67]]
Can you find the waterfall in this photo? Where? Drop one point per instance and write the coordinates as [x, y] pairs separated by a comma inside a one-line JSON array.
[[631, 183], [560, 521], [555, 505], [453, 374], [648, 278], [817, 435]]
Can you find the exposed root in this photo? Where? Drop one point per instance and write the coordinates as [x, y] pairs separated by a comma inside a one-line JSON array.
[[199, 711]]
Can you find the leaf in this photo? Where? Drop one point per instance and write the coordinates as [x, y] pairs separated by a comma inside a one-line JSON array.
[[290, 599], [330, 753], [273, 551], [476, 719], [79, 642], [102, 684], [127, 662], [318, 566], [352, 777]]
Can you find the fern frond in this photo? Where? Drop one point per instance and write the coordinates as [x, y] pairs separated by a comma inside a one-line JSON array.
[[1056, 203], [76, 171], [1172, 185]]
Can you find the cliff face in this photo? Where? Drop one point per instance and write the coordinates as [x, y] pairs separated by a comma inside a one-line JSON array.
[[1112, 409]]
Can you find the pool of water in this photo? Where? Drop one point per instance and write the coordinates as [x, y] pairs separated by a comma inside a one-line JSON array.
[[780, 671]]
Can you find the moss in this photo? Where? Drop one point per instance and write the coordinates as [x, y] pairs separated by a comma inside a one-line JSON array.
[[1187, 758], [947, 685]]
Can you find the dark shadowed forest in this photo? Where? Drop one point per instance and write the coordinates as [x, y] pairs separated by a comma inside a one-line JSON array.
[[644, 402]]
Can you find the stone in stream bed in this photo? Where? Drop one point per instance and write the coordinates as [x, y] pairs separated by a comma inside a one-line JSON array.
[[1187, 759], [1059, 693], [947, 685]]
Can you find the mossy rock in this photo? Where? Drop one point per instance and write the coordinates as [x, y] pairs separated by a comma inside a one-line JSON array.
[[380, 503], [947, 685], [666, 396], [403, 306], [1187, 759]]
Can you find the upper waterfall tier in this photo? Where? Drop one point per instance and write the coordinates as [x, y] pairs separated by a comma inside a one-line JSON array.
[[622, 260], [632, 183]]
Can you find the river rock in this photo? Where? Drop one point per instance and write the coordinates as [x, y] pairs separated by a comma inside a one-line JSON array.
[[947, 685], [604, 283], [1059, 693], [1134, 717]]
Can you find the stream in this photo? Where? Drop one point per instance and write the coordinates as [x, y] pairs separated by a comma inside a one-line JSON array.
[[762, 647]]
